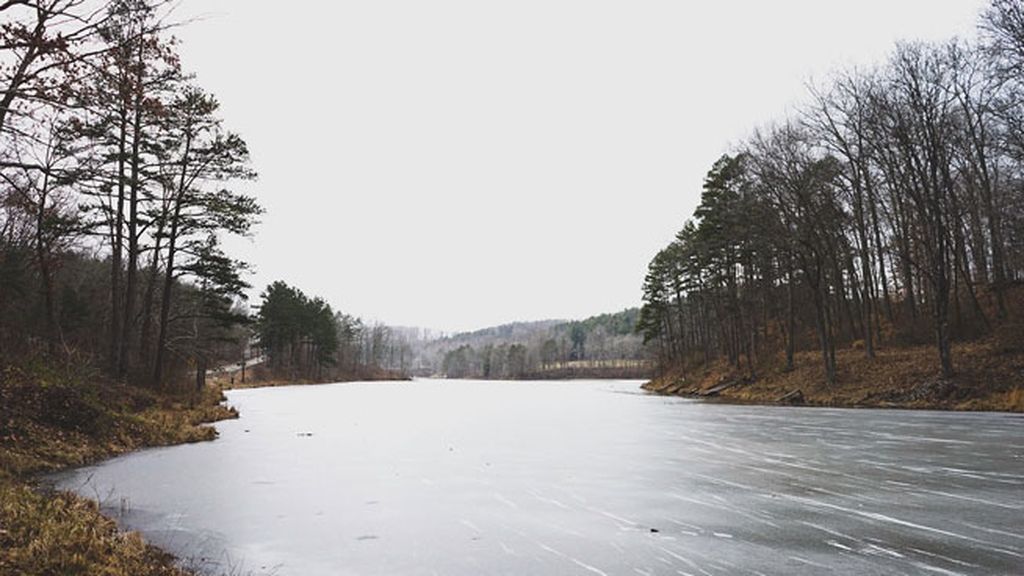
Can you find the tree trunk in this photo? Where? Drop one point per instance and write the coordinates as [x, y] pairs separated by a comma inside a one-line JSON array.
[[165, 303], [998, 266], [823, 318], [200, 374], [133, 220], [791, 320], [146, 334], [867, 278], [45, 271], [872, 201], [117, 248]]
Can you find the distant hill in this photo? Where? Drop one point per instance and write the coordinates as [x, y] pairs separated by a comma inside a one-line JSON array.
[[601, 344], [512, 332]]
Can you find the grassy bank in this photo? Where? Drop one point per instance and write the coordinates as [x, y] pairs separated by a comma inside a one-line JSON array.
[[58, 415], [989, 376]]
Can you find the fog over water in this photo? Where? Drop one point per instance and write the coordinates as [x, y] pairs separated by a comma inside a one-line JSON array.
[[586, 477]]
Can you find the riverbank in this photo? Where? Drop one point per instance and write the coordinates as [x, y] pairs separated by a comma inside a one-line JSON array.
[[989, 377], [556, 376], [60, 416], [582, 370], [233, 380]]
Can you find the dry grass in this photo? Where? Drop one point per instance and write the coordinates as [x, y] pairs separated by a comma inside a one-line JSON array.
[[52, 419], [61, 534], [989, 376], [1014, 400]]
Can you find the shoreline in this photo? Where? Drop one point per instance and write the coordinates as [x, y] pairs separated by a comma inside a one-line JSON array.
[[285, 382], [48, 531], [262, 378], [36, 519], [733, 401], [989, 378]]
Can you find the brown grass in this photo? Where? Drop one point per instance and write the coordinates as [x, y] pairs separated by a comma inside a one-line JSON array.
[[54, 418], [61, 534], [989, 376]]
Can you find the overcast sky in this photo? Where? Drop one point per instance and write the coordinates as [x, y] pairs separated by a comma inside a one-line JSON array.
[[459, 164]]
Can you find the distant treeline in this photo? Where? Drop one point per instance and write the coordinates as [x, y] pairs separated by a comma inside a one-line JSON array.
[[601, 344], [890, 210], [304, 337], [114, 177]]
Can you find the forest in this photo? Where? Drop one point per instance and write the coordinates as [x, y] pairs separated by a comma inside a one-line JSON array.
[[867, 250], [600, 346], [302, 337], [887, 211], [119, 184]]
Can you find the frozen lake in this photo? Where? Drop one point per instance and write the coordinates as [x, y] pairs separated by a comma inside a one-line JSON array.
[[517, 478]]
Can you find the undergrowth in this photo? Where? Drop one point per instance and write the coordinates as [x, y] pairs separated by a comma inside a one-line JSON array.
[[989, 376], [55, 415]]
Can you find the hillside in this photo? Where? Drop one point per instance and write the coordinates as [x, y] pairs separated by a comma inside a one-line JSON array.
[[600, 346], [989, 376]]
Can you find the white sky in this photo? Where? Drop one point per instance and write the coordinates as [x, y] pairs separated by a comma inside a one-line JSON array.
[[458, 164]]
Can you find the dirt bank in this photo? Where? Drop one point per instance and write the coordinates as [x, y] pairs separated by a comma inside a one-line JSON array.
[[989, 376]]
